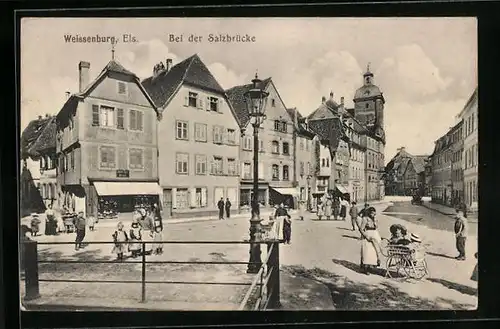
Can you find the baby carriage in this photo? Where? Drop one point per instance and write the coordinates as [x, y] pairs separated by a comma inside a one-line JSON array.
[[405, 261]]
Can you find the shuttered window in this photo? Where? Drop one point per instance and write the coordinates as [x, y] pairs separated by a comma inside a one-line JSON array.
[[135, 122], [120, 119], [95, 115]]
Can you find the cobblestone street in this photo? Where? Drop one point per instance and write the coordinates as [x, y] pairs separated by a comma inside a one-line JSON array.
[[319, 269]]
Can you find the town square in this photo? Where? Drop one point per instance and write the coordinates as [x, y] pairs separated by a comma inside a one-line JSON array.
[[289, 172]]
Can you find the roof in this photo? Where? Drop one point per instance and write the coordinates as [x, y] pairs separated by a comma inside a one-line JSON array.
[[192, 71], [367, 91], [419, 163], [472, 98], [112, 66], [301, 126], [31, 134], [46, 140], [237, 100]]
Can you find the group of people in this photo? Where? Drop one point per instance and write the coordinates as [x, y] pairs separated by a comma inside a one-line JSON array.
[[332, 206], [224, 207]]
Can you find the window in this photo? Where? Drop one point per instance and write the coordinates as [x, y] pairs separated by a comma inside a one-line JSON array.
[[72, 158], [200, 133], [247, 168], [201, 164], [217, 168], [327, 162], [107, 116], [273, 102], [285, 172], [231, 167], [108, 157], [136, 157], [302, 168], [95, 115], [120, 119], [201, 197], [122, 88], [214, 104], [280, 126], [182, 130], [182, 198], [276, 147], [135, 120], [193, 99], [286, 149], [276, 172], [231, 136], [301, 144], [247, 143], [366, 105], [218, 134], [182, 163], [323, 162]]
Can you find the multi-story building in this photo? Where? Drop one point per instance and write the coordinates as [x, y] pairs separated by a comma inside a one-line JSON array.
[[394, 172], [303, 157], [428, 177], [369, 110], [107, 142], [414, 175], [457, 174], [469, 115], [357, 135], [32, 192], [276, 151], [198, 139], [441, 171]]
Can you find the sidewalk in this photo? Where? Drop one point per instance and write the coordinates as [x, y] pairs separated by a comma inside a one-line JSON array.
[[448, 211]]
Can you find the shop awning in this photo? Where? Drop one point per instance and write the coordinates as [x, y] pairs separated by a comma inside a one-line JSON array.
[[127, 188], [342, 189], [287, 191]]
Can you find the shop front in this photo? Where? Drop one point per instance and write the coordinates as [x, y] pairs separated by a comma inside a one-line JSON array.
[[289, 196], [246, 195], [342, 191]]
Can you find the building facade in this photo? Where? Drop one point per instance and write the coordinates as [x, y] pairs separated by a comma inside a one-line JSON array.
[[107, 143], [441, 171], [277, 176], [198, 139], [414, 176], [357, 135], [457, 174], [470, 163]]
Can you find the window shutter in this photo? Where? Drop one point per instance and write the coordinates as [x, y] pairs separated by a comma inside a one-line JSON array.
[[225, 166], [203, 196], [207, 105], [174, 198], [95, 115], [186, 100], [139, 120], [192, 198]]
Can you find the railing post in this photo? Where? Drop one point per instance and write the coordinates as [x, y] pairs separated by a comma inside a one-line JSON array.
[[143, 275], [31, 270], [273, 285]]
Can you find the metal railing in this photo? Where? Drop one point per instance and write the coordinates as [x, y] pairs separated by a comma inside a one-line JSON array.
[[267, 279]]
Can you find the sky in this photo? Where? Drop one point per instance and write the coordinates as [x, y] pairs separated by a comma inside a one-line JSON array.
[[425, 67]]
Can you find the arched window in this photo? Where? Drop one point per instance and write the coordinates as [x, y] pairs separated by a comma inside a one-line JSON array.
[[276, 172], [276, 147], [285, 172], [286, 148]]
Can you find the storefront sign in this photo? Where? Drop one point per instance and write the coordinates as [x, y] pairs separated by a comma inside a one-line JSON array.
[[122, 173]]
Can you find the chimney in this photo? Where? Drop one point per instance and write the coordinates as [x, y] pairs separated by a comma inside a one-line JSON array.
[[67, 94], [83, 69], [323, 99], [39, 117], [46, 115], [169, 64], [331, 94]]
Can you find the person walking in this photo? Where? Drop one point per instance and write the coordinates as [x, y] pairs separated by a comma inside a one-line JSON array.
[[220, 205], [120, 238], [157, 216], [336, 208], [353, 212], [461, 230], [146, 223], [35, 224], [370, 242], [227, 205], [50, 221], [135, 238], [80, 224], [328, 207], [320, 209], [282, 213], [344, 205]]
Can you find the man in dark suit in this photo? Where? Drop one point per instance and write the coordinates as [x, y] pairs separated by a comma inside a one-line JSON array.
[[220, 205], [227, 205]]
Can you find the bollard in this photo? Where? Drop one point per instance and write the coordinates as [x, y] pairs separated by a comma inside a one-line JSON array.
[[273, 285], [31, 270], [143, 276]]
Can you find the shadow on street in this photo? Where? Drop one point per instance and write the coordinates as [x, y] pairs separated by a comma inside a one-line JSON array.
[[349, 295], [350, 237], [455, 286], [439, 255]]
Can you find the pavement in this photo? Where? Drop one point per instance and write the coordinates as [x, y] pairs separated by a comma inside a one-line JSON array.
[[319, 270], [449, 211]]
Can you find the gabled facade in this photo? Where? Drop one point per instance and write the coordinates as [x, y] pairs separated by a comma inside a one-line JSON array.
[[198, 139], [107, 143], [276, 150]]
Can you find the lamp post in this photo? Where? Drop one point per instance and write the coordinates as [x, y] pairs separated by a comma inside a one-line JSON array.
[[255, 100]]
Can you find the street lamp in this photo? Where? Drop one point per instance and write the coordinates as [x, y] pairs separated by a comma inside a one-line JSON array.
[[255, 99]]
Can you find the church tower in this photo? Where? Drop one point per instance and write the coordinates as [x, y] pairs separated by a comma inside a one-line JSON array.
[[369, 102]]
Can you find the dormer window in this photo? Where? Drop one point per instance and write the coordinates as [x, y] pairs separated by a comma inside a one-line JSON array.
[[122, 88]]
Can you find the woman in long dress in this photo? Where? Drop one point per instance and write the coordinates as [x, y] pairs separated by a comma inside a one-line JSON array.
[[328, 208], [370, 242], [135, 235], [320, 209]]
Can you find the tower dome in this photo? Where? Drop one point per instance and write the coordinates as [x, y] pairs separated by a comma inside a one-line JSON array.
[[368, 89], [331, 103]]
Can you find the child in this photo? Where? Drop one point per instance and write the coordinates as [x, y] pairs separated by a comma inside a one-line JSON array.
[[415, 246], [91, 222], [135, 238], [119, 237], [35, 224], [157, 238], [398, 235]]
